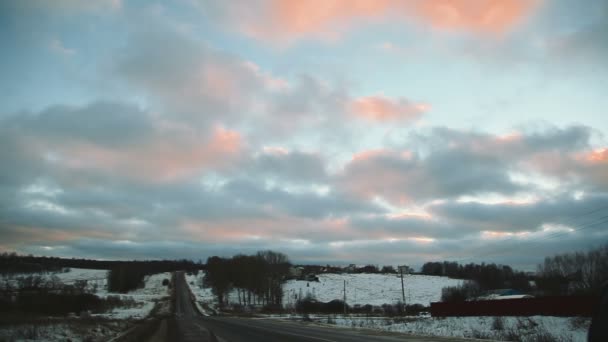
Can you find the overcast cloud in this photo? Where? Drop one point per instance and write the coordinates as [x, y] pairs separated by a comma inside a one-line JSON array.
[[189, 129]]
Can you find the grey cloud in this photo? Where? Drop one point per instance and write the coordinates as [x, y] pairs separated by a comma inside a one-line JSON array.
[[563, 210], [102, 123], [445, 173], [309, 205], [295, 166], [520, 254], [571, 138], [447, 163], [186, 77], [584, 43], [454, 173], [409, 227]]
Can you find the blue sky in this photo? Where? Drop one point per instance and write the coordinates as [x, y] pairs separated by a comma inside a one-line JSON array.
[[335, 131]]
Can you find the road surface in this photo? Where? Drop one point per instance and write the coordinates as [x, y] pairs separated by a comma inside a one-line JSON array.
[[189, 326]]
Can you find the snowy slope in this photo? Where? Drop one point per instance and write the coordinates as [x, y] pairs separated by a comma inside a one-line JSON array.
[[374, 289], [203, 295], [145, 298], [81, 274]]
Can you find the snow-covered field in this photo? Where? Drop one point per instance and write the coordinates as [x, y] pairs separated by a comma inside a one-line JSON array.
[[95, 278], [145, 298], [102, 326], [374, 289], [494, 328], [362, 289]]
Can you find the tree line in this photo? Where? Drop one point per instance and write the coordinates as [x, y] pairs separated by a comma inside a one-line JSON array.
[[258, 279], [486, 276], [11, 263], [574, 273]]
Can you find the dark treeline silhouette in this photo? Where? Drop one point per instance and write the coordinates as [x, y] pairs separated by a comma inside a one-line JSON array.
[[14, 263], [486, 276], [578, 273], [257, 278], [126, 277]]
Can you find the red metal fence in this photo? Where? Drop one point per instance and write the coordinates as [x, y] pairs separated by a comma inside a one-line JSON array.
[[544, 306]]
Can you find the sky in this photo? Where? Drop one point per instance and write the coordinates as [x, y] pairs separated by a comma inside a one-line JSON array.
[[335, 131]]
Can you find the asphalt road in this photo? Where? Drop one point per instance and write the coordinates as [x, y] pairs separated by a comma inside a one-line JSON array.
[[189, 326]]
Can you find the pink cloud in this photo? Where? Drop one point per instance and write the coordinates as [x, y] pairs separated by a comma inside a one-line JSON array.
[[163, 159], [381, 108], [484, 16], [34, 234], [598, 156], [327, 19], [364, 176]]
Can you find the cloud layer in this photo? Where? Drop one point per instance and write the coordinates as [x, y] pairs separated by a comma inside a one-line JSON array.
[[195, 130]]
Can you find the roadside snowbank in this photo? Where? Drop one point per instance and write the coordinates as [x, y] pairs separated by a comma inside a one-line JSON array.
[[494, 328]]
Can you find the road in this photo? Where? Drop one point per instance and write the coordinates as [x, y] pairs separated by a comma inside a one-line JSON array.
[[189, 326]]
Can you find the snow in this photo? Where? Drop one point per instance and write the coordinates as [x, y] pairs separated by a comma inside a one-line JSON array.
[[205, 300], [100, 327], [374, 289], [364, 288], [526, 328], [81, 274], [143, 299], [146, 298], [96, 278], [201, 295], [62, 331]]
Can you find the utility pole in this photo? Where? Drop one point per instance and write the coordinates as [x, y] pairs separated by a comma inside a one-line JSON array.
[[402, 287], [344, 296]]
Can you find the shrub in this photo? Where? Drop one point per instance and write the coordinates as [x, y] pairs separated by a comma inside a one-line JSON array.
[[309, 305], [511, 335], [460, 293], [415, 309], [393, 309], [544, 336], [362, 309], [478, 334], [498, 323]]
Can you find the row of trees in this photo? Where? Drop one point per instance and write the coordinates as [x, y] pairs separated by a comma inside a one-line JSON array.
[[574, 273], [37, 294], [257, 278], [486, 276], [11, 263]]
